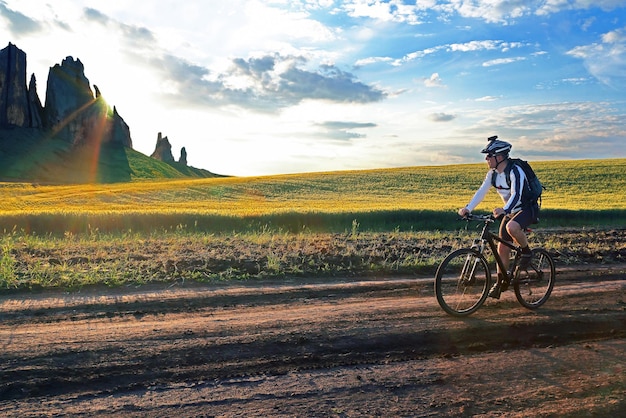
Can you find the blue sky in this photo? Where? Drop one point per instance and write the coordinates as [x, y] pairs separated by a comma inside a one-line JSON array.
[[253, 87]]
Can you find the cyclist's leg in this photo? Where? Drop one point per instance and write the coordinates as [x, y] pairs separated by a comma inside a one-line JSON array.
[[517, 229], [503, 251]]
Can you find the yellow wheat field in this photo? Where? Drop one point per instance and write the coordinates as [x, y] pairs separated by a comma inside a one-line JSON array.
[[573, 185]]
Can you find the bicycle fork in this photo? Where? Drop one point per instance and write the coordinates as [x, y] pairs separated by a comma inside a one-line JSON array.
[[471, 262]]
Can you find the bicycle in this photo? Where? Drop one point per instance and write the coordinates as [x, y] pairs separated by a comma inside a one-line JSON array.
[[463, 279]]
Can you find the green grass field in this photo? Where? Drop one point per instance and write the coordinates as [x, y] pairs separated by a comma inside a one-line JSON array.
[[355, 223], [588, 192]]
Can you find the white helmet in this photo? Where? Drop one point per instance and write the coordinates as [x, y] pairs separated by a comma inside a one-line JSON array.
[[496, 147]]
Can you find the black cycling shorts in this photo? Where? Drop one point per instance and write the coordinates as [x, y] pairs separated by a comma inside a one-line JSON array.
[[524, 218]]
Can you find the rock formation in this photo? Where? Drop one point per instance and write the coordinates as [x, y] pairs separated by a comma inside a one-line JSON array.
[[73, 113], [19, 105], [90, 138], [36, 109], [67, 91], [163, 150], [121, 131]]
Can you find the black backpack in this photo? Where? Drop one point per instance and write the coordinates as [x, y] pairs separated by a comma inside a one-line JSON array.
[[533, 187]]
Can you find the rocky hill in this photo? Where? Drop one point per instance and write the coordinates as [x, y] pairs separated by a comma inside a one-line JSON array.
[[74, 137]]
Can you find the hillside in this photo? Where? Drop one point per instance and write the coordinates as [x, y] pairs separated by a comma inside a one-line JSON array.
[[31, 155], [143, 168]]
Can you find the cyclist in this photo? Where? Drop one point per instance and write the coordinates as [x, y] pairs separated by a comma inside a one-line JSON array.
[[516, 218]]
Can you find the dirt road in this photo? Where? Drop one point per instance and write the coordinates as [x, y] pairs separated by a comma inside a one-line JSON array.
[[314, 349]]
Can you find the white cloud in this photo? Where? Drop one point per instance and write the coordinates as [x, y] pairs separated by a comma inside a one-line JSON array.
[[471, 46], [485, 45], [507, 11], [615, 36], [442, 117], [267, 83], [386, 11], [341, 130], [433, 81], [276, 24], [18, 23], [371, 60], [540, 132], [576, 80], [568, 125], [487, 99], [491, 11], [501, 61], [556, 6], [474, 46], [415, 55], [606, 61], [587, 23]]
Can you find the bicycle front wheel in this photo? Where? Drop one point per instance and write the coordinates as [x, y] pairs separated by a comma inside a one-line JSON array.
[[533, 286], [462, 282]]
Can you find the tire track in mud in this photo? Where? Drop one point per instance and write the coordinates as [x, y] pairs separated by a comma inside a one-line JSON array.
[[100, 344]]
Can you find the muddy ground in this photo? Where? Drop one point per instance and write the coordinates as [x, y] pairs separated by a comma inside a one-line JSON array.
[[379, 348]]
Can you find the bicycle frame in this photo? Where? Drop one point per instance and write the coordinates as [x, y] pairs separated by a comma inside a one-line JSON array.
[[490, 238]]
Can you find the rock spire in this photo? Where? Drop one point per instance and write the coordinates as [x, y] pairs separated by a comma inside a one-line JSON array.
[[19, 105], [163, 150]]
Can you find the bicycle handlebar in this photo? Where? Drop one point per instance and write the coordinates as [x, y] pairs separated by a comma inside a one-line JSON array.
[[482, 218]]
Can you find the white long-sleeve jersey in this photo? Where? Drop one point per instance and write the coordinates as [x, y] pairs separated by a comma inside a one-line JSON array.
[[511, 196]]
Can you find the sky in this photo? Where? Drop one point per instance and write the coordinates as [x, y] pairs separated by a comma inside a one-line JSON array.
[[263, 87]]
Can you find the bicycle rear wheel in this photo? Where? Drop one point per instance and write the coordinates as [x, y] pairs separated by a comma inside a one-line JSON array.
[[533, 287], [462, 282]]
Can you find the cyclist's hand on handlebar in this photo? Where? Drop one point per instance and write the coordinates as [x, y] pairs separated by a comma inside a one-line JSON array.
[[463, 212], [498, 213]]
